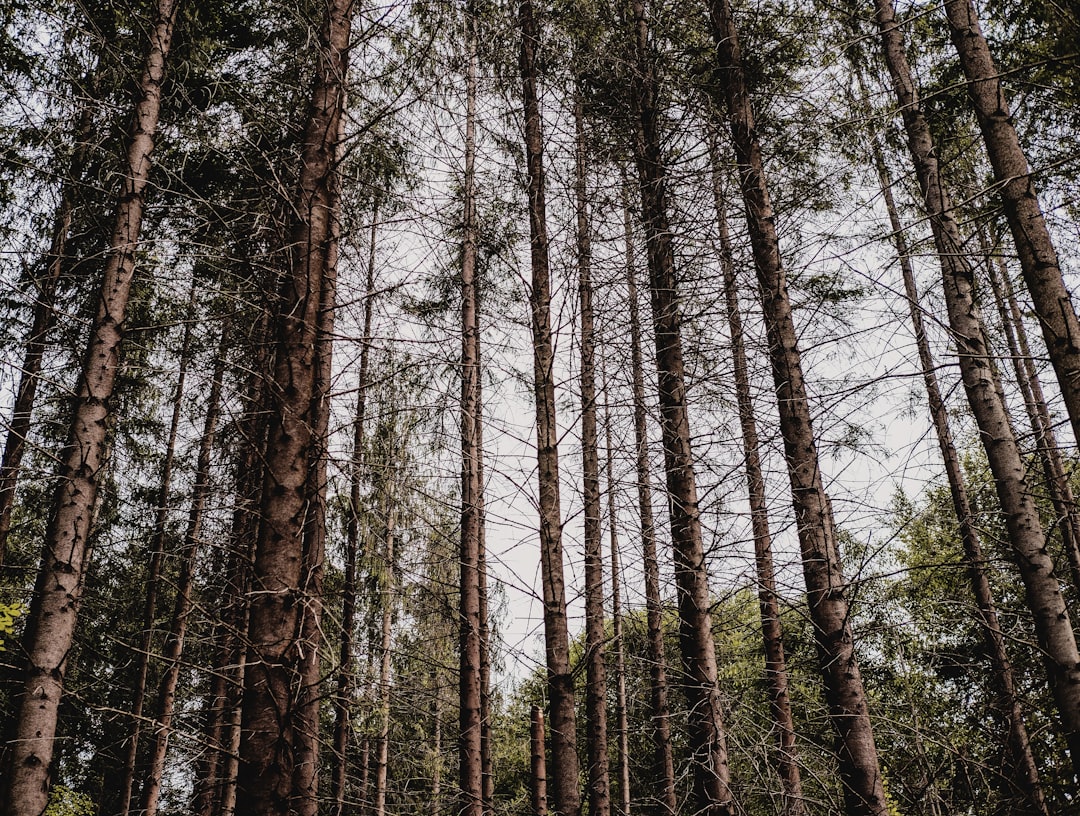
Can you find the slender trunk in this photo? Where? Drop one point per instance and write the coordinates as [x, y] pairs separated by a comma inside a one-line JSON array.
[[1052, 625], [1025, 775], [566, 796], [1015, 185], [663, 770], [216, 782], [364, 783], [42, 322], [174, 643], [343, 699], [153, 571], [826, 586], [538, 774], [382, 747], [1027, 378], [596, 738], [436, 747], [51, 625], [621, 716], [276, 706], [776, 674], [470, 685], [707, 741]]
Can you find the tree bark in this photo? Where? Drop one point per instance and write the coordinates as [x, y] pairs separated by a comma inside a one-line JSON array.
[[538, 774], [663, 770], [275, 704], [470, 681], [174, 643], [707, 742], [1024, 784], [1020, 200], [776, 674], [387, 588], [51, 623], [596, 737], [153, 571], [1027, 378], [343, 698], [43, 319], [826, 586], [566, 796], [1043, 593], [621, 716]]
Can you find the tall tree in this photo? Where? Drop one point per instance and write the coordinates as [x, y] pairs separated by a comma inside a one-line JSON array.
[[712, 791], [1034, 247], [273, 712], [1024, 784], [1043, 592], [663, 766], [776, 673], [596, 738], [343, 699], [43, 319], [470, 679], [185, 586], [55, 607], [566, 796], [826, 587]]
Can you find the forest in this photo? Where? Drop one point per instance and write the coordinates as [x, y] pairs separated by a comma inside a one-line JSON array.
[[547, 407]]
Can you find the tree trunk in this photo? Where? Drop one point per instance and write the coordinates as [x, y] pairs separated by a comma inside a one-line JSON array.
[[1043, 593], [538, 774], [387, 588], [707, 741], [470, 682], [1024, 784], [776, 674], [826, 586], [42, 322], [275, 704], [596, 738], [1042, 426], [1038, 259], [621, 716], [566, 796], [436, 747], [51, 624], [174, 644], [153, 572], [663, 770], [343, 698]]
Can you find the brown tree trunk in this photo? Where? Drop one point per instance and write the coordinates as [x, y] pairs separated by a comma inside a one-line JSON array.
[[387, 591], [153, 571], [1052, 625], [51, 623], [343, 698], [663, 770], [436, 746], [174, 643], [1024, 784], [1038, 259], [707, 742], [776, 674], [566, 796], [470, 681], [42, 323], [621, 716], [596, 738], [276, 706], [1027, 378], [826, 586], [538, 773]]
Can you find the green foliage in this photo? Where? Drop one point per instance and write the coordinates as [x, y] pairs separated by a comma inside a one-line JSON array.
[[9, 613], [64, 801]]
